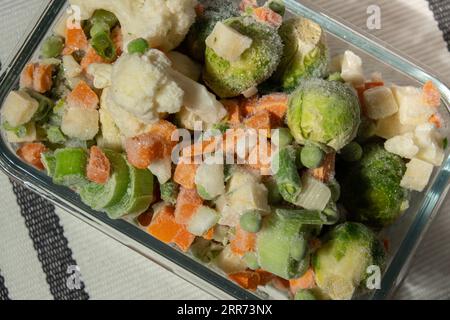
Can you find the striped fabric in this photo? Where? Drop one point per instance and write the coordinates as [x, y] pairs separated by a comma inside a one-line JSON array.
[[46, 253]]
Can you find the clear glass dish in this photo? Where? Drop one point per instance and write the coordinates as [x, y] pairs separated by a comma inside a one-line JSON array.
[[404, 236]]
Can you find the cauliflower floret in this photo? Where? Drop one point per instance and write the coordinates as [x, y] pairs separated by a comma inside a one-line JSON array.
[[101, 72], [143, 86], [164, 23], [402, 146]]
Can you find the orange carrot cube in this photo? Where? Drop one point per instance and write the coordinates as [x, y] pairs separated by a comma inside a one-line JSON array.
[[82, 96], [188, 202]]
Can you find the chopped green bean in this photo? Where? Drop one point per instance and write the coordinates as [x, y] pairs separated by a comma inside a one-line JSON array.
[[104, 46], [105, 17], [55, 135], [99, 27], [52, 47], [278, 7], [305, 295], [169, 192], [275, 196], [286, 174]]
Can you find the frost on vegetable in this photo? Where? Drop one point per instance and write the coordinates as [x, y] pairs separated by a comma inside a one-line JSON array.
[[324, 112], [340, 265], [402, 146], [350, 66], [256, 64], [380, 103], [412, 109], [305, 53], [417, 176], [371, 189]]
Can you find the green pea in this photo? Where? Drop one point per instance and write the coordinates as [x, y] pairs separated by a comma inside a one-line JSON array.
[[251, 221], [52, 47], [352, 152], [335, 188], [312, 157], [305, 295], [139, 45], [99, 27], [282, 137], [251, 259], [105, 17]]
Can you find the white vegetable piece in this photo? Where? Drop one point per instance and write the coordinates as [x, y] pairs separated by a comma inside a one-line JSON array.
[[187, 119], [210, 180], [391, 127], [250, 92], [111, 137], [162, 169], [350, 66], [19, 108], [228, 43], [101, 72], [203, 220], [380, 103], [417, 176], [61, 25], [80, 123], [432, 154], [185, 65], [428, 138], [73, 82], [230, 262], [315, 194], [31, 135], [199, 100], [402, 146], [412, 110], [71, 67]]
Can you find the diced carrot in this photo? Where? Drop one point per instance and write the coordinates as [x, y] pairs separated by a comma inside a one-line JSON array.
[[164, 228], [31, 153], [117, 39], [315, 244], [246, 4], [75, 40], [373, 84], [99, 167], [234, 111], [243, 242], [91, 57], [386, 244], [188, 202], [436, 120], [143, 150], [247, 279], [248, 105], [261, 120], [26, 77], [265, 277], [268, 16], [276, 104], [326, 172], [42, 78], [82, 96], [281, 284], [307, 281], [210, 234], [185, 174], [202, 147], [165, 130], [145, 219], [431, 95]]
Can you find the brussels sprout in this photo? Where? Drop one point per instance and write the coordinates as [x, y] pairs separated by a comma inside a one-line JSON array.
[[340, 265], [371, 188], [305, 53], [214, 11], [324, 112], [255, 65]]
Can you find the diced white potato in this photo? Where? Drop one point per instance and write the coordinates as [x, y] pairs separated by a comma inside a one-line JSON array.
[[199, 100], [162, 169], [241, 177], [228, 43], [31, 135], [433, 154], [71, 67], [428, 138], [187, 119], [230, 262], [352, 68], [80, 123], [417, 176], [73, 82], [251, 196], [391, 127], [50, 61], [210, 180], [315, 194], [380, 103], [19, 108], [402, 146], [111, 137], [336, 63], [101, 72], [185, 65], [412, 110], [203, 220], [228, 216]]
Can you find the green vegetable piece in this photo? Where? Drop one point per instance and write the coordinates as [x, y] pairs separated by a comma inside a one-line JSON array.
[[367, 130], [52, 47], [48, 159], [206, 251], [103, 16], [340, 265], [169, 192], [305, 53], [445, 143], [45, 108], [20, 131], [139, 195], [70, 170], [104, 46], [251, 259], [335, 188], [100, 197], [55, 135], [371, 189], [282, 137], [279, 245], [306, 295], [336, 76], [324, 112], [275, 196], [251, 221], [352, 152], [286, 174], [307, 217], [99, 27], [256, 64], [139, 46], [277, 6], [312, 156]]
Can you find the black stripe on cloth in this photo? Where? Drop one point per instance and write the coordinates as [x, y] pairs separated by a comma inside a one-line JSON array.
[[50, 243], [441, 11], [4, 294]]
